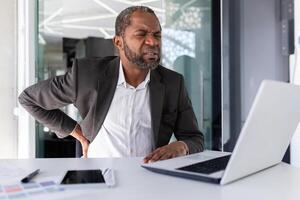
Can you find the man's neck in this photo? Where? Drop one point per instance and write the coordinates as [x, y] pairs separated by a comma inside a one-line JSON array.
[[133, 74]]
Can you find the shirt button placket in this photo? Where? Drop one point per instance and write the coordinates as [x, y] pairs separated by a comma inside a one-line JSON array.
[[130, 150]]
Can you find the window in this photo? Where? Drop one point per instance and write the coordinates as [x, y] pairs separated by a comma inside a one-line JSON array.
[[69, 29]]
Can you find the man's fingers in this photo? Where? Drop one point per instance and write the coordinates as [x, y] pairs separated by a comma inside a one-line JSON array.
[[169, 151], [154, 158], [85, 153], [166, 156], [85, 147], [149, 157], [158, 154]]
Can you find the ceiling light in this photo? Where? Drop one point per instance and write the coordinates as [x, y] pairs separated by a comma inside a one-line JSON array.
[[106, 7], [51, 17], [106, 35]]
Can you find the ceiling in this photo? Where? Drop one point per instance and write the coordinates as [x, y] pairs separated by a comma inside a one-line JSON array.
[[78, 19], [83, 18]]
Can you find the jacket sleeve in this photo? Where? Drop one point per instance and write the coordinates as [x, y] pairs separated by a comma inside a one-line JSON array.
[[186, 127], [43, 100]]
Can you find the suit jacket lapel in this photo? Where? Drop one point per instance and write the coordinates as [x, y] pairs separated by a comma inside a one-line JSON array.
[[106, 90], [157, 92]]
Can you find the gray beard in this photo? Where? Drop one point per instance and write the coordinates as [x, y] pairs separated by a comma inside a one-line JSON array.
[[138, 59]]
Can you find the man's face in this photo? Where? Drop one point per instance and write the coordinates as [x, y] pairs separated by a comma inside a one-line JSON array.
[[142, 40]]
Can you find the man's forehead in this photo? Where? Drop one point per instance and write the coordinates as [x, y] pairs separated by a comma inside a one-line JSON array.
[[144, 20]]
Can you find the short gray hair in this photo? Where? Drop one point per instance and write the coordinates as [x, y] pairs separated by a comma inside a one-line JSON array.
[[123, 19]]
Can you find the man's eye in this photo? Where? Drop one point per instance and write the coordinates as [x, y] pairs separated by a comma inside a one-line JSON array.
[[140, 34]]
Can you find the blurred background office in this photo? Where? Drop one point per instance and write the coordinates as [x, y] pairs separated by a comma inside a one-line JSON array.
[[224, 49]]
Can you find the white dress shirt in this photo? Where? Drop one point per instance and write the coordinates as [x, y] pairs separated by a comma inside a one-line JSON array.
[[126, 130]]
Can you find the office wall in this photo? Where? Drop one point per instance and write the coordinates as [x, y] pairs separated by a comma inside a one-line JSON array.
[[261, 49], [8, 122], [295, 78], [252, 53]]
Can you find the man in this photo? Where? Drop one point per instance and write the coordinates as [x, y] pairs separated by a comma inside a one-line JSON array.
[[130, 105]]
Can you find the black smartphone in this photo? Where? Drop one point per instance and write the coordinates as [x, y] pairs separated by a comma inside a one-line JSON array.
[[83, 177]]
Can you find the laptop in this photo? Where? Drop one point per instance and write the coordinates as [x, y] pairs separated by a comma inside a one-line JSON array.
[[262, 143]]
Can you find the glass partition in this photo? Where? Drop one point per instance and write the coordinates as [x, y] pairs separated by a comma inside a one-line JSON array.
[[69, 29]]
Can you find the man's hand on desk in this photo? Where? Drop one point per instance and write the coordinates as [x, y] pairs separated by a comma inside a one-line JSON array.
[[171, 150], [77, 133]]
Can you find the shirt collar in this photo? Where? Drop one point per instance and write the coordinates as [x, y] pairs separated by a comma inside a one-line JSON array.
[[122, 81]]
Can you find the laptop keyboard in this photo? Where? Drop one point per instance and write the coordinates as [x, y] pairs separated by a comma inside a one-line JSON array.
[[209, 166]]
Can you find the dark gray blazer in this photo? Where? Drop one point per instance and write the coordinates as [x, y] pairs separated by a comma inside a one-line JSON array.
[[90, 85]]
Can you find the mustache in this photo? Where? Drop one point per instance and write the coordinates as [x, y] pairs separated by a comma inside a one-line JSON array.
[[154, 50]]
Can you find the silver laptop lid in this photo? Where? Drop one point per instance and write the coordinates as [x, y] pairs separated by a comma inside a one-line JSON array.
[[265, 136]]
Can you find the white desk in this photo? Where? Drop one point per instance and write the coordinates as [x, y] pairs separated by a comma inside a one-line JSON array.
[[281, 182]]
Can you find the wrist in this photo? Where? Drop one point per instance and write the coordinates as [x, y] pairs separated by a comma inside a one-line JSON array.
[[77, 133], [185, 147]]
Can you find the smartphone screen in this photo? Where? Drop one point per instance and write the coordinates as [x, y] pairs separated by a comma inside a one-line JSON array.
[[83, 176]]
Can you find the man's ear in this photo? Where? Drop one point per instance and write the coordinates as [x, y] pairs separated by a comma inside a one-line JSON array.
[[118, 42]]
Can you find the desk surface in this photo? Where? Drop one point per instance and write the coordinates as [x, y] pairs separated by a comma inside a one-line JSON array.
[[134, 182]]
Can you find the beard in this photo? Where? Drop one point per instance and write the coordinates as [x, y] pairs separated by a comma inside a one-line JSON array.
[[139, 60]]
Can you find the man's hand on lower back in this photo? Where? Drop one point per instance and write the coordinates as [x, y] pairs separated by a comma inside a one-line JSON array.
[[77, 133], [171, 150]]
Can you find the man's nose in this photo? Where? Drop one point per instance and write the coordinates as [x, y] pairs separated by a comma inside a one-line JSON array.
[[151, 40]]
